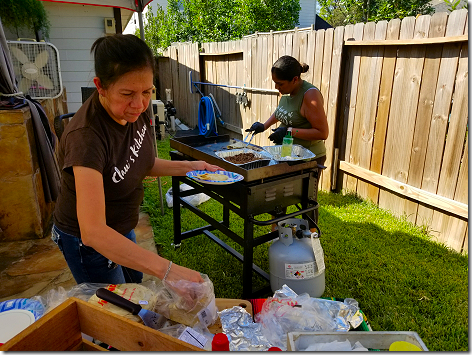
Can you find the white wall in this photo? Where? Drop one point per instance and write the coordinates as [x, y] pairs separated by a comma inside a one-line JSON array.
[[74, 28]]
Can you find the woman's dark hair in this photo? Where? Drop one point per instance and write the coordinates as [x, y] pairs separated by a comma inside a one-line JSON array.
[[286, 68], [119, 54]]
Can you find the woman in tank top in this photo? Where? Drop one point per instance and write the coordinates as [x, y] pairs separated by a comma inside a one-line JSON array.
[[300, 109]]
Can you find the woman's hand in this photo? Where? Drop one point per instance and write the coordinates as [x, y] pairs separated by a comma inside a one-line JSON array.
[[203, 165], [178, 272], [185, 290]]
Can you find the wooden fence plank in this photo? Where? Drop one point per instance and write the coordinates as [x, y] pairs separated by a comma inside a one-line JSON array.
[[266, 79], [332, 105], [364, 118], [289, 44], [457, 238], [456, 134], [405, 92], [318, 68], [440, 115], [310, 55], [344, 108], [386, 84], [324, 180], [350, 183], [421, 31], [425, 108]]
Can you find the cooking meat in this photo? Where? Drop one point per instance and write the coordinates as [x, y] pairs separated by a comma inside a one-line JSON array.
[[242, 158]]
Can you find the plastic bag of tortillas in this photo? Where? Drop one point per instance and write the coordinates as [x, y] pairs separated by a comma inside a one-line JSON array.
[[136, 293], [188, 302]]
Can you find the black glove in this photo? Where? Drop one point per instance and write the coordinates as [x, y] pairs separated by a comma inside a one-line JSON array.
[[278, 135], [257, 127]]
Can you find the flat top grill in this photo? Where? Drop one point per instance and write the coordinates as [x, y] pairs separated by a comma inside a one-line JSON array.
[[205, 148]]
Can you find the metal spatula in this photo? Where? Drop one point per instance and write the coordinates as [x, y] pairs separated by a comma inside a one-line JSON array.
[[150, 318]]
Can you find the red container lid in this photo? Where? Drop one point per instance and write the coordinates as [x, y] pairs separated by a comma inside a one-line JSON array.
[[274, 348], [220, 342]]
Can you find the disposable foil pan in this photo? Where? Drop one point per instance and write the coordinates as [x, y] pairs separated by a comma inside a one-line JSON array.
[[299, 153], [264, 158]]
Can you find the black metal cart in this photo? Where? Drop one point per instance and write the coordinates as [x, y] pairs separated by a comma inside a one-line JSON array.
[[267, 189]]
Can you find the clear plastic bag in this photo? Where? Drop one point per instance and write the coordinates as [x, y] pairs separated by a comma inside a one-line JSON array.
[[288, 312], [188, 302]]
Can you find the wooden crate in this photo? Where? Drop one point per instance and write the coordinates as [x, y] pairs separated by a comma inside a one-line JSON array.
[[61, 329]]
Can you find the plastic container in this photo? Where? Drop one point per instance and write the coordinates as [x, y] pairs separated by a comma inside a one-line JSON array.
[[220, 342], [287, 144]]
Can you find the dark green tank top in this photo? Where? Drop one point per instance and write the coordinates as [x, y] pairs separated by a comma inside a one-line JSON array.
[[288, 114]]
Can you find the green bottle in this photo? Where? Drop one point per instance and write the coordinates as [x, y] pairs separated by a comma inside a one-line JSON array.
[[287, 144]]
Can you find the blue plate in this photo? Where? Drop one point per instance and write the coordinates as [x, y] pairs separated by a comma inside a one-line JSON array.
[[218, 177]]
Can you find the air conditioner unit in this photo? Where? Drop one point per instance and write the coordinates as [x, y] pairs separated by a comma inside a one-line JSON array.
[[110, 25], [37, 68]]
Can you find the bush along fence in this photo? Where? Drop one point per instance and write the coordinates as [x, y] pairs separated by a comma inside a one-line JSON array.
[[395, 94]]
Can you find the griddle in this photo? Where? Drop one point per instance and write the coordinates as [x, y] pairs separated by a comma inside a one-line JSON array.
[[205, 148]]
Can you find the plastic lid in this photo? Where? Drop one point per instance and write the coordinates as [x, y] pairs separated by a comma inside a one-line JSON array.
[[220, 342], [13, 322], [274, 348]]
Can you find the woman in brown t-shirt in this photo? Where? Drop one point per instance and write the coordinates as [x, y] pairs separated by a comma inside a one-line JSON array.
[[105, 153]]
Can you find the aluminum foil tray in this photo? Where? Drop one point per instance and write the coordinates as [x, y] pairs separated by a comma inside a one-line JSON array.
[[263, 161], [299, 153]]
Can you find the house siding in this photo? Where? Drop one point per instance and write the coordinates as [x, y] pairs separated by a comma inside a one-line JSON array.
[[307, 14], [74, 28]]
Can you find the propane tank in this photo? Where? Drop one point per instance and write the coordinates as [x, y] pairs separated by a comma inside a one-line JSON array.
[[296, 259]]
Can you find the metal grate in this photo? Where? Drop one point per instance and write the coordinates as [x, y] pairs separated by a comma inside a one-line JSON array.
[[37, 68]]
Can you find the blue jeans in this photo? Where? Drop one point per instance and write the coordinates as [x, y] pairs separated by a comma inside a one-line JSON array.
[[87, 265]]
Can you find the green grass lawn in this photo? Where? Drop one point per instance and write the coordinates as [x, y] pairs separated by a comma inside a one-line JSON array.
[[402, 280]]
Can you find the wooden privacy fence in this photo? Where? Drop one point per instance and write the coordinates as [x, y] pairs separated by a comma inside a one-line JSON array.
[[395, 94]]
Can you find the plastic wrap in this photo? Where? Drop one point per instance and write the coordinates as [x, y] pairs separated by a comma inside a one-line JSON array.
[[288, 312]]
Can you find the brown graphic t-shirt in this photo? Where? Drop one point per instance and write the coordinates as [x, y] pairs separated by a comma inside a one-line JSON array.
[[124, 155]]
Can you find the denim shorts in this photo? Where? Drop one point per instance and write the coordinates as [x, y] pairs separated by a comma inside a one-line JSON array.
[[87, 265]]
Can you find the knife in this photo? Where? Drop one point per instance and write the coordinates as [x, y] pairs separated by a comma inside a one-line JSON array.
[[151, 319]]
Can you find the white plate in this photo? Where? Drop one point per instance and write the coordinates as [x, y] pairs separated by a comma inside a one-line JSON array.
[[219, 177], [13, 322]]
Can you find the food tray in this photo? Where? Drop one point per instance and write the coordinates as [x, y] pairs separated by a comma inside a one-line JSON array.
[[377, 340], [299, 153], [264, 157]]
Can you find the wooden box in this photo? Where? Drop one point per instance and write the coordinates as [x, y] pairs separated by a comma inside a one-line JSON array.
[[61, 329], [299, 341]]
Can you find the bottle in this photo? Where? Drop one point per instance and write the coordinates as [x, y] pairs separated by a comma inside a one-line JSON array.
[[287, 144], [220, 342]]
